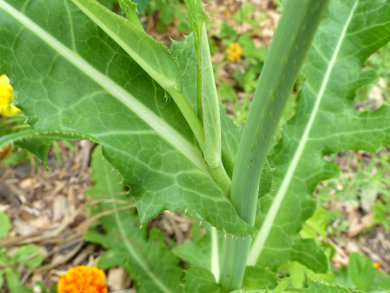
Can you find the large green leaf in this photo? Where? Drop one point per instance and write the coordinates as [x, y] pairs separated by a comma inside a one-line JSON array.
[[151, 55], [149, 261], [71, 76], [259, 278], [326, 122]]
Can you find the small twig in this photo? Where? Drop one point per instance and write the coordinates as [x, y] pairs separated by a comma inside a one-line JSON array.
[[84, 226]]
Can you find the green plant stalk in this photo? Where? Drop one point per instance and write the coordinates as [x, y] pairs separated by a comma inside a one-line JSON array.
[[290, 43], [234, 256]]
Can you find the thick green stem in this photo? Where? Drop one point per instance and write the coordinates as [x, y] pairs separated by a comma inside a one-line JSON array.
[[285, 57], [235, 249]]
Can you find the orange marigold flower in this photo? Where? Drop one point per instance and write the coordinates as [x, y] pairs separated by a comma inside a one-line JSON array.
[[227, 12], [233, 52], [82, 279]]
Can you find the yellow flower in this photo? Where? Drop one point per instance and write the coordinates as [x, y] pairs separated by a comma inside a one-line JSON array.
[[376, 265], [82, 279], [6, 97], [233, 52]]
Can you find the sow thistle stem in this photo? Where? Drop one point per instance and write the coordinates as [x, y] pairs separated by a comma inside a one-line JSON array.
[[290, 43]]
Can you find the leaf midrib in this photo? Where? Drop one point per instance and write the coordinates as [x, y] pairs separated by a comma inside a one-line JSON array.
[[52, 134], [162, 128], [262, 236], [161, 79]]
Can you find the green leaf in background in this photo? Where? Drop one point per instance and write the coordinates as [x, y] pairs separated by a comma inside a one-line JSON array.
[[283, 284], [361, 271], [200, 280], [227, 34], [247, 80], [141, 5], [196, 253], [321, 287], [5, 225], [129, 9], [326, 122], [1, 278], [297, 274], [29, 255], [310, 254], [316, 224], [243, 14], [71, 76], [300, 274], [314, 287], [227, 92], [256, 278], [13, 282], [148, 260], [382, 281], [249, 48]]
